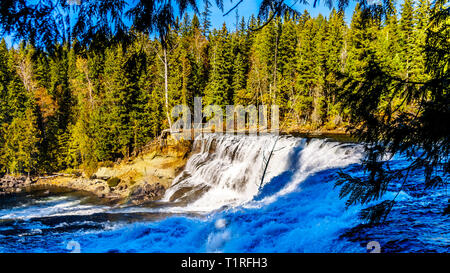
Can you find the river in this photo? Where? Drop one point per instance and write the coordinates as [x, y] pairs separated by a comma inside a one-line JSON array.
[[216, 205]]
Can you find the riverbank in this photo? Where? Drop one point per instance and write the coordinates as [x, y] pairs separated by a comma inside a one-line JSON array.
[[339, 134], [136, 180]]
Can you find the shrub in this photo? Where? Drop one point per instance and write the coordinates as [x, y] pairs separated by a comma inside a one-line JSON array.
[[113, 182]]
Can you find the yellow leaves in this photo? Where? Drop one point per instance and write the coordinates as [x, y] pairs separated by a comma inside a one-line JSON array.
[[46, 103], [24, 68]]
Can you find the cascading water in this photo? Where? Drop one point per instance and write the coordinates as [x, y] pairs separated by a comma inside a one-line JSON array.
[[227, 170], [297, 208]]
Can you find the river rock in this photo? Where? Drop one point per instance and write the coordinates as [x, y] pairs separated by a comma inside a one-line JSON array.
[[11, 184], [28, 181], [147, 192]]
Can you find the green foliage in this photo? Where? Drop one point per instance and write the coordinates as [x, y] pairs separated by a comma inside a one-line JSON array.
[[218, 90], [113, 182], [20, 151], [402, 113], [377, 213], [106, 102]]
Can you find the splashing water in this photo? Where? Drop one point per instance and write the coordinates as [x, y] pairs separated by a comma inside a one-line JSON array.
[[215, 205]]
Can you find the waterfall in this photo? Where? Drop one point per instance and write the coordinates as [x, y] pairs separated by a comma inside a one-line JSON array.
[[226, 170]]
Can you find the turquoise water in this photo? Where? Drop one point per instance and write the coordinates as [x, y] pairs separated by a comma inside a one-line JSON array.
[[297, 210]]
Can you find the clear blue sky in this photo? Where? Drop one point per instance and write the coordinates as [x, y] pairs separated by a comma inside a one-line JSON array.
[[249, 7]]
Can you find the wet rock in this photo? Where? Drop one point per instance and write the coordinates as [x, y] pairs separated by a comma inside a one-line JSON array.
[[147, 192], [122, 187], [28, 181], [100, 188], [11, 184]]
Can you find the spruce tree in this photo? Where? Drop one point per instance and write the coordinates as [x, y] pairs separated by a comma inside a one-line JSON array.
[[307, 69], [422, 21], [205, 17], [218, 91], [4, 82], [21, 148], [287, 60], [407, 39], [334, 62]]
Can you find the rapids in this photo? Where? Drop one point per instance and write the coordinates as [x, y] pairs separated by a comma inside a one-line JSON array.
[[216, 205]]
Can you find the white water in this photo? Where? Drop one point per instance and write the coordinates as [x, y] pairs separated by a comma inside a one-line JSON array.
[[224, 171], [227, 170], [315, 156], [51, 207], [297, 210]]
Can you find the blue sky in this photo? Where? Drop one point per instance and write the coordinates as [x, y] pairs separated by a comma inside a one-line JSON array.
[[249, 7]]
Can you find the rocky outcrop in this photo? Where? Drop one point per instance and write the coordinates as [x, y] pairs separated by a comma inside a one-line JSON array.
[[138, 193], [147, 192], [12, 184], [138, 180], [97, 187]]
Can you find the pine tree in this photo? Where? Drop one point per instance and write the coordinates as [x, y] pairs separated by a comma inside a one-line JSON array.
[[334, 45], [262, 56], [218, 91], [407, 41], [21, 151], [4, 82], [115, 135], [422, 21], [388, 44], [240, 47], [287, 64], [307, 69], [17, 97], [205, 16], [361, 41], [320, 94], [239, 81]]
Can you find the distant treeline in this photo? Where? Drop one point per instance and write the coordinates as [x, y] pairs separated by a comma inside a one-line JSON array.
[[72, 107]]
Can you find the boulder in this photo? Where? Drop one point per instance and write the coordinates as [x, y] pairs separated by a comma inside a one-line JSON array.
[[147, 192], [28, 181], [102, 189]]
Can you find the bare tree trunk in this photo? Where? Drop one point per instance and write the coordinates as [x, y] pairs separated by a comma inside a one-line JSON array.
[[85, 69]]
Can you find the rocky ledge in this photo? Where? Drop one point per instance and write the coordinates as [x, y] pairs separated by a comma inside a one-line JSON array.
[[123, 192], [11, 184], [137, 181]]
